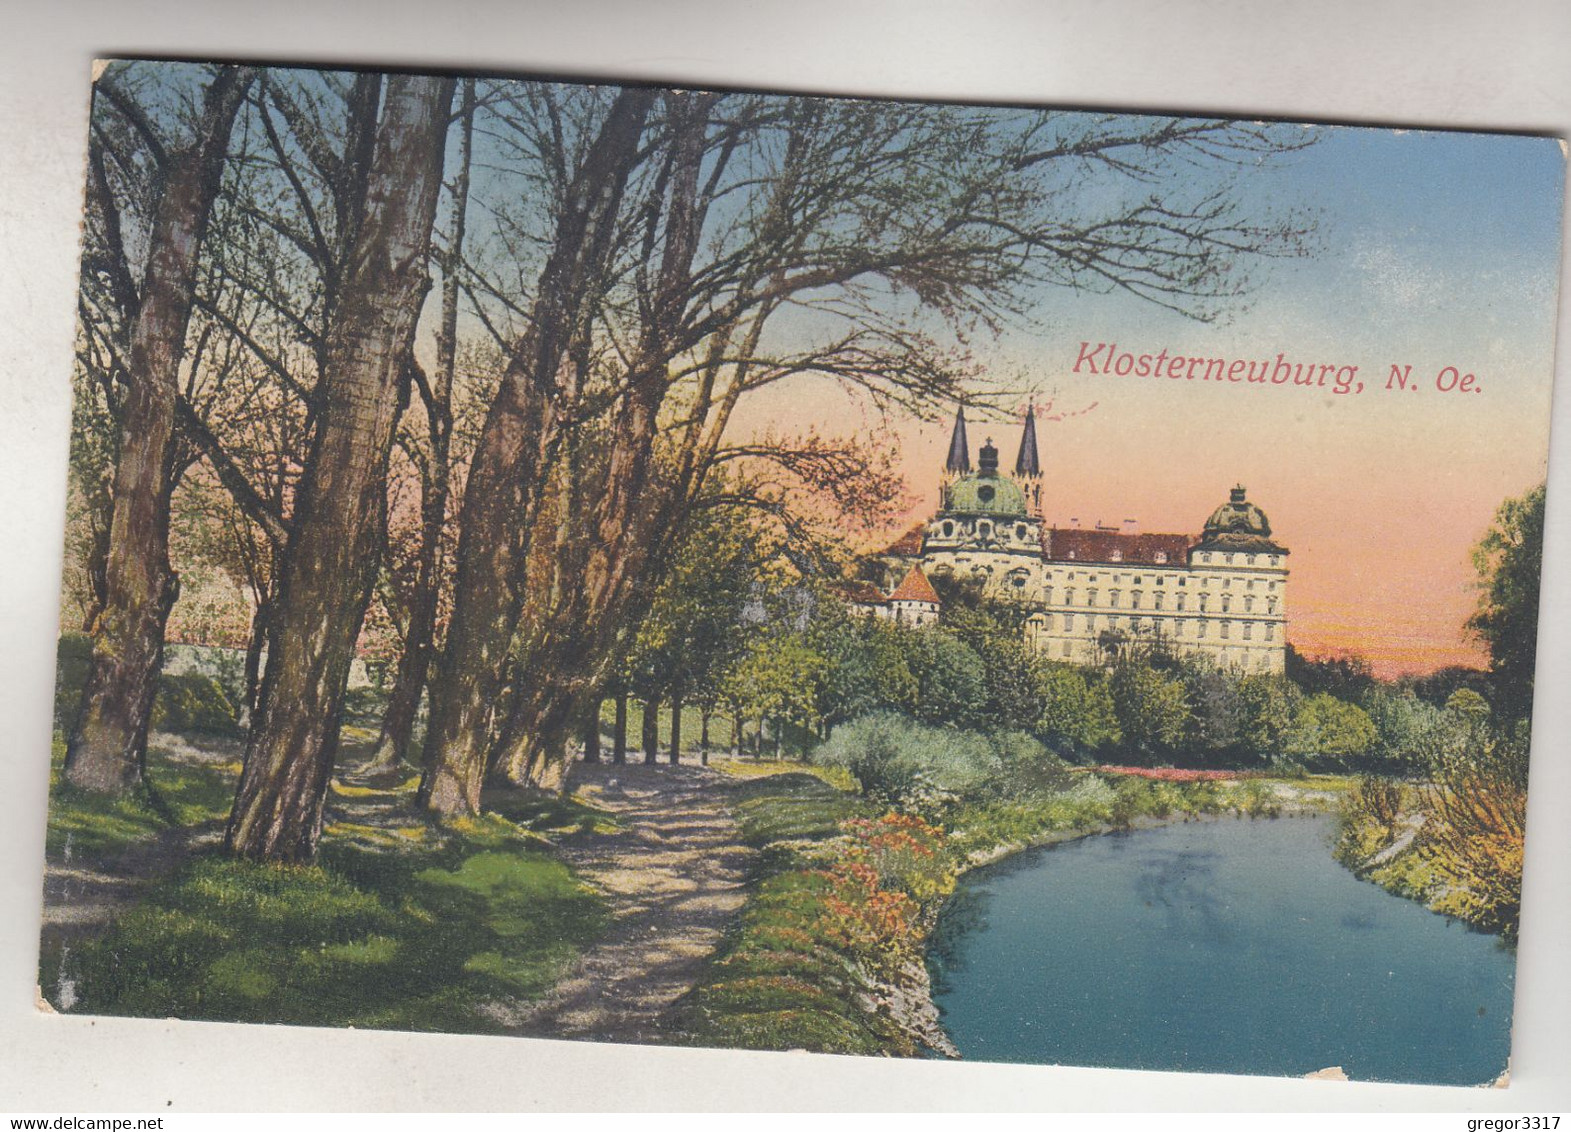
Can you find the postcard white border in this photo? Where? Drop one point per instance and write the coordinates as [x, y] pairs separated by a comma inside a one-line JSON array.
[[1422, 62]]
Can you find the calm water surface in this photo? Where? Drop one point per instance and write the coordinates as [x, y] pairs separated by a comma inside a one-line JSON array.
[[1226, 947]]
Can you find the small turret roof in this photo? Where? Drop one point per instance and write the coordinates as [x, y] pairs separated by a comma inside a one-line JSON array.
[[915, 587]]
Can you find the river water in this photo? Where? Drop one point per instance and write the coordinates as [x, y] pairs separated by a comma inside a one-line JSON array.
[[1225, 946]]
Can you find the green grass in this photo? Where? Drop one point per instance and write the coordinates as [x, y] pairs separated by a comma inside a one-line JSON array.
[[177, 793], [782, 984], [782, 981], [793, 806], [414, 939]]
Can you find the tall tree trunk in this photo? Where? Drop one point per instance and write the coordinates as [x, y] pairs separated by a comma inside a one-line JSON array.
[[676, 727], [607, 552], [592, 732], [98, 560], [779, 736], [108, 746], [736, 735], [339, 525], [651, 730], [619, 730], [404, 703], [703, 736], [510, 467], [255, 652]]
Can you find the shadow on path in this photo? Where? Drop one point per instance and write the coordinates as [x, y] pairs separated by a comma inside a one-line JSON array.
[[673, 874]]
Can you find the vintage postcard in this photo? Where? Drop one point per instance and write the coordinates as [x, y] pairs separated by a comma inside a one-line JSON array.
[[747, 570]]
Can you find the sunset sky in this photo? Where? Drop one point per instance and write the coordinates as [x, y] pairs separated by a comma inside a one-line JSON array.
[[1432, 250]]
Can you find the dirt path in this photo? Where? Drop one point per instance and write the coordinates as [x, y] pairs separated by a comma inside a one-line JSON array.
[[673, 874]]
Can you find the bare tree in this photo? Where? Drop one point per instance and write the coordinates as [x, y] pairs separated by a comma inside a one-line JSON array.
[[436, 396], [107, 748], [505, 484], [338, 527], [885, 222]]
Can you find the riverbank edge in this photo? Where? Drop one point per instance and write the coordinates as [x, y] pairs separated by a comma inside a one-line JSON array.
[[909, 998]]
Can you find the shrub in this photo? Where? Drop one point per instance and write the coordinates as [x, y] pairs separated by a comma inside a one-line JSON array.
[[193, 702], [907, 853], [908, 764], [189, 701], [73, 658]]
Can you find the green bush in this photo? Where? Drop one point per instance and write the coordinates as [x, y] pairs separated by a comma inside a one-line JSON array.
[[904, 763], [73, 658], [193, 702]]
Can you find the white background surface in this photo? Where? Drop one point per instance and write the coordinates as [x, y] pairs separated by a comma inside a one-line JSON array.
[[1410, 62]]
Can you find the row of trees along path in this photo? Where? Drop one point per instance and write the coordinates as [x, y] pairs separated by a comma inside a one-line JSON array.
[[259, 252]]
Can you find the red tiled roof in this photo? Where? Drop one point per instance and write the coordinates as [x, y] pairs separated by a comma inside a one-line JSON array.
[[908, 545], [859, 592], [916, 587], [1074, 545]]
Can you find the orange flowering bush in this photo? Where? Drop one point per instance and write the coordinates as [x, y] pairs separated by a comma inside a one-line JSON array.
[[907, 854], [891, 868]]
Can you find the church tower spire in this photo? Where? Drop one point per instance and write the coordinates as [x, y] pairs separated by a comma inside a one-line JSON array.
[[959, 461], [1028, 466]]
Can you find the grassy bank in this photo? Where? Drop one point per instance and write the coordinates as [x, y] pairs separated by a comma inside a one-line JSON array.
[[401, 924], [828, 954], [1454, 844]]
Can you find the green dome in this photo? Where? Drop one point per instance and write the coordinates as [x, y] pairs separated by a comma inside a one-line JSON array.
[[985, 493], [1237, 516]]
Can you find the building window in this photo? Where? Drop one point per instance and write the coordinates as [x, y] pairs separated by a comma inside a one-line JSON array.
[[1161, 556], [1069, 596], [1200, 631], [1248, 627], [1251, 560], [1134, 599], [1249, 605], [985, 494], [1113, 601], [1270, 632], [1270, 605], [1227, 602], [1206, 557], [984, 528], [1180, 603], [1065, 650], [1159, 600], [1230, 559], [949, 530], [1091, 599], [1020, 531], [1203, 599], [1020, 581], [1226, 629], [1273, 560]]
